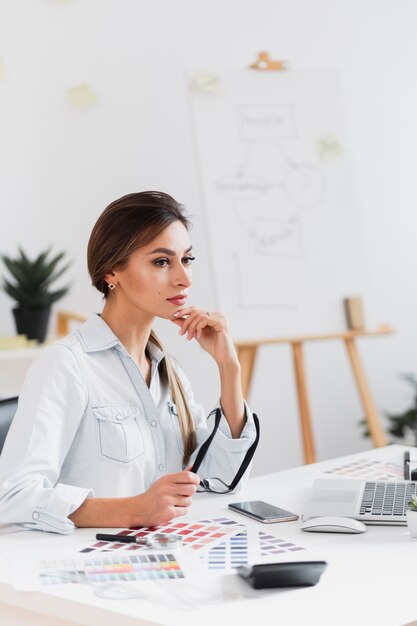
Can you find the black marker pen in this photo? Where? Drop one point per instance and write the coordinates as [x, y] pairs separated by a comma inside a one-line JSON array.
[[158, 540]]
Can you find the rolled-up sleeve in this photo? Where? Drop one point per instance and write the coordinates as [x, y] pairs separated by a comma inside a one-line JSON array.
[[51, 406], [225, 453]]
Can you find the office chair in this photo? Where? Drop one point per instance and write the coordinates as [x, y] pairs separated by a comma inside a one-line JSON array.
[[8, 408]]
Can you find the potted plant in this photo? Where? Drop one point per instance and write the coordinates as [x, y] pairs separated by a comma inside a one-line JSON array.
[[403, 425], [412, 517], [31, 290]]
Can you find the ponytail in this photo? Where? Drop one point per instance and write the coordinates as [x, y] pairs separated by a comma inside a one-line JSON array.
[[180, 400]]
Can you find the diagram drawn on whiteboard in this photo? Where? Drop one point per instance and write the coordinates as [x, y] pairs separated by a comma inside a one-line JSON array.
[[278, 198]]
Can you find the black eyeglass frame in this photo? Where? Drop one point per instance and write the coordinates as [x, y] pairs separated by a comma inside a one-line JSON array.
[[243, 466]]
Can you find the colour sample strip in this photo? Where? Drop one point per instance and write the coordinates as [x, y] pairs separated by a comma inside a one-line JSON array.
[[234, 551], [369, 469], [196, 534], [109, 568], [268, 544], [228, 555]]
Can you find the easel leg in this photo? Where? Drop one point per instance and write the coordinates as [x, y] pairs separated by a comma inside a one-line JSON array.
[[371, 412], [62, 324], [305, 416], [246, 358]]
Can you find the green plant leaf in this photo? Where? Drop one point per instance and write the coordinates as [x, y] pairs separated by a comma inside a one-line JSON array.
[[40, 261], [409, 378], [57, 295], [33, 278], [413, 503], [57, 275], [17, 272]]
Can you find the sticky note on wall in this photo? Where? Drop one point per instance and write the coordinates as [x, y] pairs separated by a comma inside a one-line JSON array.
[[205, 82], [82, 96], [329, 147]]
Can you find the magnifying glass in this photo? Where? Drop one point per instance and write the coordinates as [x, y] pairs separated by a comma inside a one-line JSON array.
[[156, 541]]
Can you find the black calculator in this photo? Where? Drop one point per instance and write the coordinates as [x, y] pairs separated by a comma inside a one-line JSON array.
[[292, 574]]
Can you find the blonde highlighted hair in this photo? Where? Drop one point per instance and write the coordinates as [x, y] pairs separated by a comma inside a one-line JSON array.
[[179, 398], [126, 225]]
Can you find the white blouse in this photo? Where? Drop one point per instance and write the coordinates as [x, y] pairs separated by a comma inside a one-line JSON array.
[[88, 425]]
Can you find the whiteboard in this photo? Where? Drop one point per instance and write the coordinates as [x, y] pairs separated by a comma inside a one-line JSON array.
[[279, 202]]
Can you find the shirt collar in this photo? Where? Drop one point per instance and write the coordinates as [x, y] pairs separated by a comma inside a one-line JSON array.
[[95, 335], [154, 352]]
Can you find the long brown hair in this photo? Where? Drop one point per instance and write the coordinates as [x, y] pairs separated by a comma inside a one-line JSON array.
[[126, 225]]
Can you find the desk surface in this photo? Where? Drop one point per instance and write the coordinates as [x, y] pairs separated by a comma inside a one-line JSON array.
[[370, 577]]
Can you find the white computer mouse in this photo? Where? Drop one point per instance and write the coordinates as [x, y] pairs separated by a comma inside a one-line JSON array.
[[333, 524]]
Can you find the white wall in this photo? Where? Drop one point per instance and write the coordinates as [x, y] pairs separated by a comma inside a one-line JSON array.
[[59, 166]]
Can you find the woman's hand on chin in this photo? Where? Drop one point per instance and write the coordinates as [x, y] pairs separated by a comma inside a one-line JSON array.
[[211, 331]]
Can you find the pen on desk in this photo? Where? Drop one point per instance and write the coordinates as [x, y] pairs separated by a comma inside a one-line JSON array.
[[118, 538], [158, 540], [406, 465]]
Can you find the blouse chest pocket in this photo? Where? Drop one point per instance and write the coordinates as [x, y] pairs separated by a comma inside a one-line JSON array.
[[119, 432]]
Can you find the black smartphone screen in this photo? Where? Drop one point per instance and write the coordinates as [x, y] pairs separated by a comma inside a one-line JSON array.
[[263, 511]]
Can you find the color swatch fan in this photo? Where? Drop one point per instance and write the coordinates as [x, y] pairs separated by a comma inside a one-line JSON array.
[[198, 535]]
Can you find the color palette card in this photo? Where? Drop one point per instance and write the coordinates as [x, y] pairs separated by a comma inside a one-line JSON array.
[[227, 555], [270, 545], [110, 568], [102, 569], [198, 535], [246, 547], [369, 469]]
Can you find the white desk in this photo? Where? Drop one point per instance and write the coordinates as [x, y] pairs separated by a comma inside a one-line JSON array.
[[370, 579]]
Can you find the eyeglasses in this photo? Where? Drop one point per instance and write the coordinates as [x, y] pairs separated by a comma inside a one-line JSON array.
[[217, 485], [214, 485]]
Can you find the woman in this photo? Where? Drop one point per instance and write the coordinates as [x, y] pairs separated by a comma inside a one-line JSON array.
[[106, 422]]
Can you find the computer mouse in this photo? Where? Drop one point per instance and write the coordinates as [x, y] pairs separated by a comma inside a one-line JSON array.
[[333, 524]]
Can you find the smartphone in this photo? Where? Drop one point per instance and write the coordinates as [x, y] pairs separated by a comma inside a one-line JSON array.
[[263, 512]]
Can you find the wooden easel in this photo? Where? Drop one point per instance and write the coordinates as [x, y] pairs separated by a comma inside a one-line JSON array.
[[247, 351], [63, 320]]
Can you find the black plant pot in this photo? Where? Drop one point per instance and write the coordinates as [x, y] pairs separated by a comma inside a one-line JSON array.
[[32, 322]]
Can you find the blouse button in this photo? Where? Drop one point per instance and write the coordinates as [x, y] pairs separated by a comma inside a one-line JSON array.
[[35, 515], [153, 423], [161, 467], [119, 417]]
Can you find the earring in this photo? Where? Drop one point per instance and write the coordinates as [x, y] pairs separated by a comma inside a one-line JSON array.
[[111, 286]]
